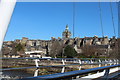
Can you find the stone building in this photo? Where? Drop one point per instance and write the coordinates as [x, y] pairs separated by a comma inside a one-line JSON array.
[[17, 41], [77, 43], [105, 41], [24, 40]]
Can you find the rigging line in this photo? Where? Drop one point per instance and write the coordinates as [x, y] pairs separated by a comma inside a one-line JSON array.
[[112, 19], [73, 19], [117, 6], [118, 9], [101, 19]]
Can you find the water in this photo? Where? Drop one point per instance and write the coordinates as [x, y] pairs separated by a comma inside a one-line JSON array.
[[19, 74], [14, 74]]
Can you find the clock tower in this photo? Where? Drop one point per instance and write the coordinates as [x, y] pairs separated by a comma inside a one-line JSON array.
[[66, 34]]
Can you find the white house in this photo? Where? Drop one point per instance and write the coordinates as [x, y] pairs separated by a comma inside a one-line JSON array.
[[34, 54]]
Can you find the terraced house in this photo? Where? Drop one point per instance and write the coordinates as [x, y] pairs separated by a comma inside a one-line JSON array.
[[99, 46]]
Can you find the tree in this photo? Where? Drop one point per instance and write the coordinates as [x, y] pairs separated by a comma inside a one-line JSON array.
[[117, 46], [20, 49], [5, 51], [88, 50], [70, 52], [13, 51], [114, 53], [56, 49], [91, 51]]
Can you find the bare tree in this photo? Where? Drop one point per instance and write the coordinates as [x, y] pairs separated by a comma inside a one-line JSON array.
[[115, 50], [5, 51], [91, 51], [56, 48]]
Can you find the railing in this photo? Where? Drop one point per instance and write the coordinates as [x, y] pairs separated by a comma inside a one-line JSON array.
[[64, 61], [73, 60], [76, 61], [70, 75]]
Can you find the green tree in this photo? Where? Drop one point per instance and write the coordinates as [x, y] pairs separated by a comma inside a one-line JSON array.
[[19, 47], [70, 52]]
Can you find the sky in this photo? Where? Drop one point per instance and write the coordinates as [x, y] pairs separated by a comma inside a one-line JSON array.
[[43, 20]]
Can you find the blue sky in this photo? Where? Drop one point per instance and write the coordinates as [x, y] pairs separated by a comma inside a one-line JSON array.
[[39, 20]]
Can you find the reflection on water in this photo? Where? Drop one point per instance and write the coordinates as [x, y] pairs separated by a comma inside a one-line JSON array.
[[14, 74], [18, 74]]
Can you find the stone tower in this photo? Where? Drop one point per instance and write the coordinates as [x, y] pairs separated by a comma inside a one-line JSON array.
[[66, 34]]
